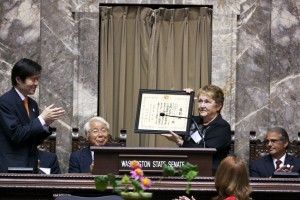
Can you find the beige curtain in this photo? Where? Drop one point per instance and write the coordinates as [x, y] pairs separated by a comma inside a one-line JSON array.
[[142, 48]]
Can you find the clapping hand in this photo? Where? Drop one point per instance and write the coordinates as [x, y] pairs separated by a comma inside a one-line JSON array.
[[184, 198], [285, 168], [51, 113], [188, 90]]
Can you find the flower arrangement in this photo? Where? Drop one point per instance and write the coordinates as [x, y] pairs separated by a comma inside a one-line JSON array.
[[137, 181]]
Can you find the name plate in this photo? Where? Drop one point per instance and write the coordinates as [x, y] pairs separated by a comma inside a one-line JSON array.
[[150, 164], [117, 160]]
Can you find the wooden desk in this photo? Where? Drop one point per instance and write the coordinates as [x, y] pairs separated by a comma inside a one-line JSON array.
[[47, 187]]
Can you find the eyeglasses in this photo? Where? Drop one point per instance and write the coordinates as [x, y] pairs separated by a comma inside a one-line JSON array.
[[97, 131], [273, 141]]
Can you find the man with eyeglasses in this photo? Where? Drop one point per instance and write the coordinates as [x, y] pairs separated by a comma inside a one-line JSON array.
[[277, 141], [97, 134]]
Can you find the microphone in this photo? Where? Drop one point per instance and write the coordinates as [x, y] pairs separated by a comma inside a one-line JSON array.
[[164, 114], [190, 118]]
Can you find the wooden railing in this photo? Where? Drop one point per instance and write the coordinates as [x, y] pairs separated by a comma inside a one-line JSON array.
[[47, 187]]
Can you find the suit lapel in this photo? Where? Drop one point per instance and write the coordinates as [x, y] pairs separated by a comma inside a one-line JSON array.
[[270, 168], [20, 104], [86, 156], [289, 160], [33, 109]]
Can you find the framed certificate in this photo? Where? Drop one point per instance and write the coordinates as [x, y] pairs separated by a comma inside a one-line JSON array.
[[161, 111]]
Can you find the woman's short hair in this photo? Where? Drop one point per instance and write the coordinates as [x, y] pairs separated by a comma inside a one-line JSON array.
[[232, 179], [23, 69], [215, 92], [86, 126]]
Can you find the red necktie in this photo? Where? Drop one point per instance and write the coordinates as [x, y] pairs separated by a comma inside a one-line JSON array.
[[278, 162], [26, 105]]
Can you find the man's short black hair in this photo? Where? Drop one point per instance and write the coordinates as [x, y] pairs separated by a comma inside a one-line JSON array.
[[24, 68]]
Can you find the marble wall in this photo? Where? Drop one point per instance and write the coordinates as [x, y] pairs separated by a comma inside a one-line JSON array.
[[255, 60], [267, 78]]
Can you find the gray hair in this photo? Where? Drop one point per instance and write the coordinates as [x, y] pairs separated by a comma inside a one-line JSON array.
[[86, 126], [282, 132]]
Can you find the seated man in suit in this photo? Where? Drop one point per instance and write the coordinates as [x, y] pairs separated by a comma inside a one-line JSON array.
[[277, 141], [97, 134], [48, 160]]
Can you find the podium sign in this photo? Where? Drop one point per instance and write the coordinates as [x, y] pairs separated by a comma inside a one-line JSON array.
[[117, 160]]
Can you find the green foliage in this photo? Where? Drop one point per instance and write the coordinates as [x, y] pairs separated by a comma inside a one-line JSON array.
[[136, 185], [187, 188], [125, 179], [168, 170], [187, 171], [103, 181], [187, 168], [191, 175]]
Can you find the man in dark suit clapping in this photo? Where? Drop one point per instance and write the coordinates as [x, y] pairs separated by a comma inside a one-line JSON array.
[[22, 127], [277, 141]]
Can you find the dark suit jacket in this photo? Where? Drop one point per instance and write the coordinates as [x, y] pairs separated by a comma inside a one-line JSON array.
[[218, 135], [49, 160], [80, 161], [19, 135], [264, 167]]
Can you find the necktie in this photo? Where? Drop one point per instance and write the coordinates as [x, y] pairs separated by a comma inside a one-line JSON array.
[[278, 162], [26, 105]]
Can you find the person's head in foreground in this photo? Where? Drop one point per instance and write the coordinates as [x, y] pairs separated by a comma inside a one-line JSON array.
[[97, 131], [232, 180]]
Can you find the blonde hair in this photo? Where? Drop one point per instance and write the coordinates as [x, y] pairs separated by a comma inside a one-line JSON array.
[[232, 179], [215, 92]]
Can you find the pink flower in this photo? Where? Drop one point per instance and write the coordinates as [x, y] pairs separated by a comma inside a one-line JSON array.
[[135, 164], [146, 183], [137, 173]]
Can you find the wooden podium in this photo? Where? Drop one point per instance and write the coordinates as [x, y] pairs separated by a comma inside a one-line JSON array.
[[116, 160]]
